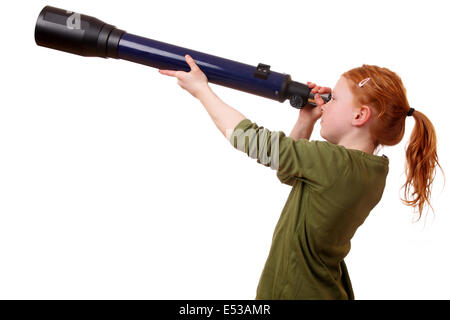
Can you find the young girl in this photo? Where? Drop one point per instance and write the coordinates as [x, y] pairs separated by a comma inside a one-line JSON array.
[[335, 183]]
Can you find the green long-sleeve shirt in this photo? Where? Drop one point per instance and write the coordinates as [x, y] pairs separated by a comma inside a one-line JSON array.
[[333, 191]]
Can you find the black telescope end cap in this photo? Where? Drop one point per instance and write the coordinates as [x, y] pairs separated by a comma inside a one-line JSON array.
[[76, 33]]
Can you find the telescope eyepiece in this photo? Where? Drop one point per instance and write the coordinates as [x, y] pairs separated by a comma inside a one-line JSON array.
[[76, 33]]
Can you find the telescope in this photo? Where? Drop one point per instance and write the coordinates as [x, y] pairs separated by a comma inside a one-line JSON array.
[[90, 37]]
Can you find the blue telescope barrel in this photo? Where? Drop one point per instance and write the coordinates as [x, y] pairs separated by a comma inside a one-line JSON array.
[[90, 37]]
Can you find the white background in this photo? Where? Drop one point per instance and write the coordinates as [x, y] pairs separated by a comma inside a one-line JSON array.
[[116, 184]]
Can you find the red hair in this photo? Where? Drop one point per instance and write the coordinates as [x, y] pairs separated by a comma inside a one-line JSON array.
[[386, 96]]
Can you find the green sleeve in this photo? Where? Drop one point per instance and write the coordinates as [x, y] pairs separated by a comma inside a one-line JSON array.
[[286, 179], [317, 163]]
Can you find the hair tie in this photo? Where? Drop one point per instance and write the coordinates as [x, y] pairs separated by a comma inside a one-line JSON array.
[[411, 110]]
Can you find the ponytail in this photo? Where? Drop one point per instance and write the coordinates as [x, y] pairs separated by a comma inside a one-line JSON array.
[[421, 162]]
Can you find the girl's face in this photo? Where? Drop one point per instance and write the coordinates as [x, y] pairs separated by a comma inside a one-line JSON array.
[[338, 113]]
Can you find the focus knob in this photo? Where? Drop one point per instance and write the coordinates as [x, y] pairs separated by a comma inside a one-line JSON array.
[[296, 101]]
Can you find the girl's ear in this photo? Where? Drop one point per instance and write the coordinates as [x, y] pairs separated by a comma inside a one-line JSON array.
[[362, 115]]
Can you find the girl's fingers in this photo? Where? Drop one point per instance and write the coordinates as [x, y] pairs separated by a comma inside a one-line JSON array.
[[191, 63], [171, 73], [318, 99], [177, 73], [325, 89]]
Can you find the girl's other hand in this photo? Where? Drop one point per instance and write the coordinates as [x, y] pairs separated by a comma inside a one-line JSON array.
[[309, 112]]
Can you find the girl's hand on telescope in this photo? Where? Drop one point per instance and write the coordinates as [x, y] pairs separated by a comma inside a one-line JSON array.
[[194, 81], [309, 112]]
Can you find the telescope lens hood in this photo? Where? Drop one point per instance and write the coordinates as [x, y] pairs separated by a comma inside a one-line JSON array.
[[76, 33]]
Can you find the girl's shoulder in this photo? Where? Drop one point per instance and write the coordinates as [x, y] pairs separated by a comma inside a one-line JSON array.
[[357, 153]]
